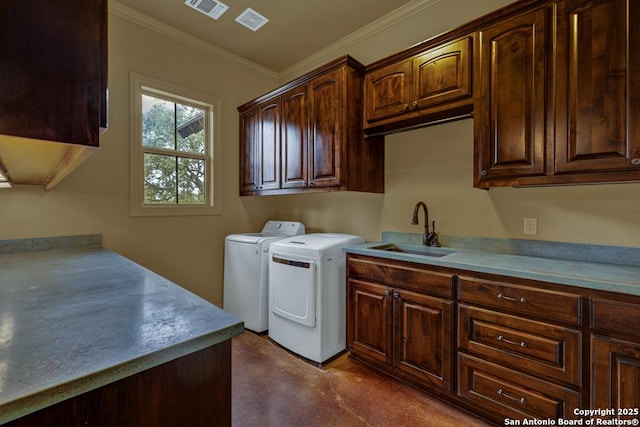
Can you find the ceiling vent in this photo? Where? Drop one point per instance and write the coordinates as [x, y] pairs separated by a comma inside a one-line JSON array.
[[211, 8], [251, 19]]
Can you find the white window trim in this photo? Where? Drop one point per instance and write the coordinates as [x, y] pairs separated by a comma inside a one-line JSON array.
[[138, 84]]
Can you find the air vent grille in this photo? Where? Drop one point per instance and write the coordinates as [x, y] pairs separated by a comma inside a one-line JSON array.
[[251, 19], [211, 8]]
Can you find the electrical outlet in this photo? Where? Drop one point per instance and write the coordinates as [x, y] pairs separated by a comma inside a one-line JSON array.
[[530, 226]]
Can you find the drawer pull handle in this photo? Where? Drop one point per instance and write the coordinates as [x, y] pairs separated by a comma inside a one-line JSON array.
[[519, 344], [520, 400], [504, 297]]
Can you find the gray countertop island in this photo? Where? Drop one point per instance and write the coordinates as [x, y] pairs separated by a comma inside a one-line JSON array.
[[74, 320]]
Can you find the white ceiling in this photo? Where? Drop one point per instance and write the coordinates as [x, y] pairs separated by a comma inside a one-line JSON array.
[[296, 28]]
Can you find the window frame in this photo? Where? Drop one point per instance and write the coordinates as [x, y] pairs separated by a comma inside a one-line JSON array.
[[140, 85]]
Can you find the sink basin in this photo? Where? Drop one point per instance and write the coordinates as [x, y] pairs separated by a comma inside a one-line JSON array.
[[416, 250]]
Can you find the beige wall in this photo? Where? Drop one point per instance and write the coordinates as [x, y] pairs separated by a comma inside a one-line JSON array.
[[432, 164]]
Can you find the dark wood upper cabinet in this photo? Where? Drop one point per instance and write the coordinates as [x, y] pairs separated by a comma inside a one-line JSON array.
[[53, 85], [295, 130], [442, 74], [326, 140], [597, 86], [431, 84], [268, 156], [510, 112], [559, 99], [307, 136], [248, 152], [388, 91]]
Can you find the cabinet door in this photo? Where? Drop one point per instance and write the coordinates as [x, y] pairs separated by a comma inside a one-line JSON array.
[[510, 127], [54, 70], [615, 370], [597, 91], [388, 91], [268, 147], [294, 138], [248, 150], [326, 117], [369, 329], [442, 74], [423, 338]]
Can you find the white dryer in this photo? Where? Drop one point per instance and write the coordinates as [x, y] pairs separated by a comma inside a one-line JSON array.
[[307, 294], [246, 262]]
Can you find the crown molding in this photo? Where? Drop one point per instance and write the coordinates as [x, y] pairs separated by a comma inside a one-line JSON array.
[[338, 48], [132, 15]]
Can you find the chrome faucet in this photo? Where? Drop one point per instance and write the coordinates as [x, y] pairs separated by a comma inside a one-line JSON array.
[[428, 238]]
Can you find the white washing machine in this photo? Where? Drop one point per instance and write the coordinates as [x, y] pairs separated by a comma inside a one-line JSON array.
[[246, 262], [307, 294]]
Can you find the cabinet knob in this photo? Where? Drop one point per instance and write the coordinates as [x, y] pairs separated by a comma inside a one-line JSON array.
[[406, 107], [484, 172], [387, 292], [396, 294], [635, 161], [415, 104]]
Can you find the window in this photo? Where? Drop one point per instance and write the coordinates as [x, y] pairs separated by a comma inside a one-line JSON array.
[[173, 146]]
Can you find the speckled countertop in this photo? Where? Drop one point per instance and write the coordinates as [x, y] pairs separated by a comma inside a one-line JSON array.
[[594, 274], [72, 320]]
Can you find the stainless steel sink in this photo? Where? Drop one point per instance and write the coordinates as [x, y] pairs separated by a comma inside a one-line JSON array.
[[416, 250]]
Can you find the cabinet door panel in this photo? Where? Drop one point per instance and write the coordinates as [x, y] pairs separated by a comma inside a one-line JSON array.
[[424, 338], [512, 103], [615, 370], [325, 138], [53, 70], [370, 328], [388, 91], [269, 145], [248, 150], [443, 74], [294, 138], [597, 104]]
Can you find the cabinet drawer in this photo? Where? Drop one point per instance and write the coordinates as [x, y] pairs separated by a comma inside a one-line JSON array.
[[406, 276], [529, 346], [510, 394], [615, 317], [543, 303]]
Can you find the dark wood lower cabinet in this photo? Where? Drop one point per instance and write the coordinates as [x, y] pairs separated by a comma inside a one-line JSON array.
[[616, 376], [423, 342], [520, 349], [194, 390], [615, 357], [405, 332]]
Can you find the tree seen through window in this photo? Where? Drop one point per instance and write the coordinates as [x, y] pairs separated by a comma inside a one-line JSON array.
[[174, 145]]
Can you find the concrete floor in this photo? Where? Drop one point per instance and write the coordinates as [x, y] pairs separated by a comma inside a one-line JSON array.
[[272, 387]]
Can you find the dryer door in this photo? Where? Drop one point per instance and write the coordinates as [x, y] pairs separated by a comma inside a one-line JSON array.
[[292, 285]]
